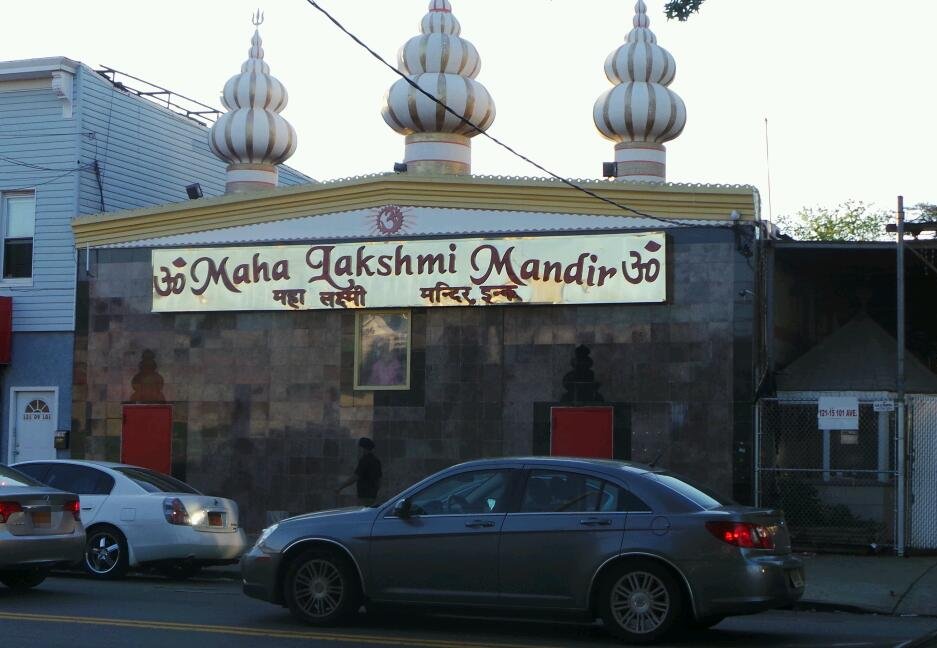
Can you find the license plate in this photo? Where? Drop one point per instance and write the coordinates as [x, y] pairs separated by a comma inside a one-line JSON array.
[[797, 577], [216, 519], [41, 518]]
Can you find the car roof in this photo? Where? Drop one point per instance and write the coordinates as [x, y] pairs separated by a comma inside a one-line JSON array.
[[80, 462], [614, 466]]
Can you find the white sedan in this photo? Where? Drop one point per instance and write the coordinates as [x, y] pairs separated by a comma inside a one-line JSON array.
[[136, 517]]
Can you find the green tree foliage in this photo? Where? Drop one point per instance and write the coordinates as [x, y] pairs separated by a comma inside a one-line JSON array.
[[681, 9], [852, 220], [927, 211]]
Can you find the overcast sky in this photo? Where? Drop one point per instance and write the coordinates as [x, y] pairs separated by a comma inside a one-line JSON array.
[[848, 86]]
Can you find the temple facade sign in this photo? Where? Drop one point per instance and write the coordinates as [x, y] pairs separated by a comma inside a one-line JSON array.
[[584, 269]]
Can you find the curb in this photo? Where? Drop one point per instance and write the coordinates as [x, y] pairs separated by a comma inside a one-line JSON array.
[[220, 574], [925, 641], [828, 606]]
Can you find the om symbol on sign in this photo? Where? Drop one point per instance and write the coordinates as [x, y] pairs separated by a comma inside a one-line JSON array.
[[644, 270], [169, 283]]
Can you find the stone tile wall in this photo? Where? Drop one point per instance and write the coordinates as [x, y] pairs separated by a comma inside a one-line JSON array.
[[265, 412]]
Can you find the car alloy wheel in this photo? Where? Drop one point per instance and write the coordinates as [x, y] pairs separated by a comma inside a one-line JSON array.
[[106, 554], [321, 588], [318, 588], [640, 601]]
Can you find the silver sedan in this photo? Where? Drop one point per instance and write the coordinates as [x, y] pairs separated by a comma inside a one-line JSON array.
[[646, 551], [40, 527]]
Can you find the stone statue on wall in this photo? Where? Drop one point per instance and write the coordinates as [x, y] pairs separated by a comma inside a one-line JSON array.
[[147, 384]]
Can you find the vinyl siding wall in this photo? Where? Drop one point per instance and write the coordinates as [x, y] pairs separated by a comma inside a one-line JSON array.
[[146, 156], [34, 132]]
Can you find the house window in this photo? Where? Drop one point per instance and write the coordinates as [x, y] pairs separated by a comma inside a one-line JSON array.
[[19, 225], [382, 350]]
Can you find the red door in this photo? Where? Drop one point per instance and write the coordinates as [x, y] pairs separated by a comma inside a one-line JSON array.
[[582, 432], [146, 437]]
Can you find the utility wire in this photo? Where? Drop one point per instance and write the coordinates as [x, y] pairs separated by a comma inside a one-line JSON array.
[[491, 137], [38, 167], [44, 134], [59, 177]]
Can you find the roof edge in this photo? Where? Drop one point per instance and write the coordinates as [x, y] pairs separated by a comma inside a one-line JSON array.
[[469, 192], [37, 68]]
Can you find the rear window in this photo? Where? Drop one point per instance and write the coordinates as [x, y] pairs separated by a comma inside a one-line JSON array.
[[10, 478], [154, 482], [697, 494]]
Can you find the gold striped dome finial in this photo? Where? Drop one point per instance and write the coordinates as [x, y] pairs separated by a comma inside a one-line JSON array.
[[445, 65], [640, 112], [252, 137]]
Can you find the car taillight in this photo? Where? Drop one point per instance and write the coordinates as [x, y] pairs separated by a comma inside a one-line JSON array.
[[7, 509], [174, 510], [742, 534], [73, 507]]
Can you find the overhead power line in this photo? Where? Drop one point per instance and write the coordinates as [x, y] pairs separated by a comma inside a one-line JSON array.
[[442, 104], [37, 167]]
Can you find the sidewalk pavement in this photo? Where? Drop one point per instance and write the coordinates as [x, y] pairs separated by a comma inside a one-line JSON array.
[[879, 584]]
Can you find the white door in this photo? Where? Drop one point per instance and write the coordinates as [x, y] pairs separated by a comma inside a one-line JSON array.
[[34, 422]]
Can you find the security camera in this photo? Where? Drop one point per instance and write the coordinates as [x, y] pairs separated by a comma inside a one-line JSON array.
[[745, 292], [735, 215]]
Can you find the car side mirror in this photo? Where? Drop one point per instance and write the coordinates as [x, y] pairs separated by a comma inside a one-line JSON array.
[[402, 508]]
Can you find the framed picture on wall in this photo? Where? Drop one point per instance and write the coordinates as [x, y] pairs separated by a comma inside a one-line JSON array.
[[382, 350]]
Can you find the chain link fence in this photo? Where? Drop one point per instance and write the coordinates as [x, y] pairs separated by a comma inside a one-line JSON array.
[[923, 469], [837, 488]]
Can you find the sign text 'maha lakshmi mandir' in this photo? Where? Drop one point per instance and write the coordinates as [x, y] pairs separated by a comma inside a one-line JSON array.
[[597, 269]]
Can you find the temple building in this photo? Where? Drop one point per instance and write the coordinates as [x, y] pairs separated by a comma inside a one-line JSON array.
[[244, 342]]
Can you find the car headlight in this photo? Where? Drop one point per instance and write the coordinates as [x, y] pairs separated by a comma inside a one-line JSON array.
[[264, 535]]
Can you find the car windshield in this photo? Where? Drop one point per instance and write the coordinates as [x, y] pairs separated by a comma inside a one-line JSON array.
[[697, 494], [154, 482], [10, 478]]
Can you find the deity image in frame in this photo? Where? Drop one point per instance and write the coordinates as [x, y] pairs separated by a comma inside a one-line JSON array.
[[382, 350]]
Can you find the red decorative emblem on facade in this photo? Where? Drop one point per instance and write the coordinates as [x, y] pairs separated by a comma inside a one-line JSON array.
[[389, 220]]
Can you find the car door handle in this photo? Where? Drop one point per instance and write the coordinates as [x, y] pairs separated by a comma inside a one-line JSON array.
[[479, 524], [87, 508], [595, 522]]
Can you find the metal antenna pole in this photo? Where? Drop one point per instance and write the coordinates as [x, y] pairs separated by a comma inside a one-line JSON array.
[[899, 384], [768, 165]]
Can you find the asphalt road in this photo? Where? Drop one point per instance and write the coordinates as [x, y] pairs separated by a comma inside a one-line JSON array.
[[143, 612]]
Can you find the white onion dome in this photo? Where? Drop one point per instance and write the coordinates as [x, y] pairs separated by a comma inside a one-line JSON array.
[[445, 65], [640, 108], [252, 135], [640, 112]]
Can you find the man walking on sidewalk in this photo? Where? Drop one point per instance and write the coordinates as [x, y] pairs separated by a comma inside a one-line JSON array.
[[367, 474]]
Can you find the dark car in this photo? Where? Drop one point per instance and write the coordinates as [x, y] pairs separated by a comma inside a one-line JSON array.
[[643, 549], [40, 527]]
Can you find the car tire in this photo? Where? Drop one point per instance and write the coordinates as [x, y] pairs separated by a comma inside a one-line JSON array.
[[23, 580], [640, 601], [105, 553], [321, 588], [179, 570]]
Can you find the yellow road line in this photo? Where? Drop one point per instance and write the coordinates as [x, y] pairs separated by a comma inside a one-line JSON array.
[[256, 632]]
